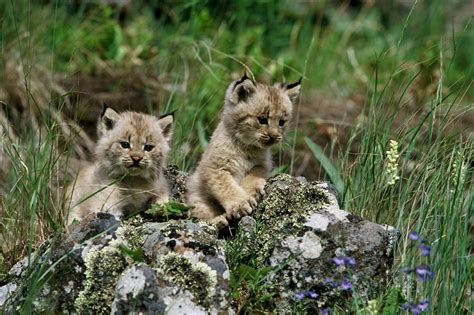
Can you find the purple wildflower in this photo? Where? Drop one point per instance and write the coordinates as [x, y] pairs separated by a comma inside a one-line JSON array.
[[299, 296], [405, 306], [424, 249], [423, 272], [346, 285], [350, 261], [312, 294], [414, 309], [326, 311], [343, 260], [414, 236], [328, 280], [339, 261], [423, 305]]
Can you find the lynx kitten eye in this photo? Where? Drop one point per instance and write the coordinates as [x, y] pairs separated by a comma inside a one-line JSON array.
[[148, 147], [263, 120], [125, 145], [281, 123]]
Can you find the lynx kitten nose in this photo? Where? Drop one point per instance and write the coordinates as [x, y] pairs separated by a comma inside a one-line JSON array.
[[271, 139], [136, 158]]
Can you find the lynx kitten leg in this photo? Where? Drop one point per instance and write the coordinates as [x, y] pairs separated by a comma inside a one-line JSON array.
[[235, 200], [254, 182], [204, 212]]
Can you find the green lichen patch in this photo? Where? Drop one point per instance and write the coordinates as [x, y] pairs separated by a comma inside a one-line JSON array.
[[132, 233], [198, 232], [103, 268], [284, 212], [197, 278]]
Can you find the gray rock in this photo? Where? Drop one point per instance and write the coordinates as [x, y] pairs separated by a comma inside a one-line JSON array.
[[106, 266], [6, 291], [139, 290], [300, 230], [177, 181]]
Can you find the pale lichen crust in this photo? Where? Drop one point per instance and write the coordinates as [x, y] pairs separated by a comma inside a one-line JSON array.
[[277, 217], [197, 278], [103, 268]]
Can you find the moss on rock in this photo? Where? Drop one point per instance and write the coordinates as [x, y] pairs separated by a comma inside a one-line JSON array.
[[103, 268], [198, 278], [280, 215], [131, 233]]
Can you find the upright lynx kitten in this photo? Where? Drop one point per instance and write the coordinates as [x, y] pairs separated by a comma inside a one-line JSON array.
[[127, 174], [230, 177]]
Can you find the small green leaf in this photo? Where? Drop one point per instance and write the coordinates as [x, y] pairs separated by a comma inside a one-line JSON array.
[[136, 255], [177, 207], [171, 209]]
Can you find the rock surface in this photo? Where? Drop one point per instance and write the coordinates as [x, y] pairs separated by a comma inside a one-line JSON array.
[[313, 247], [179, 266], [107, 266]]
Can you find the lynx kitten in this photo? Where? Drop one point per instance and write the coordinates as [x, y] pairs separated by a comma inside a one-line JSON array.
[[127, 174], [230, 177]]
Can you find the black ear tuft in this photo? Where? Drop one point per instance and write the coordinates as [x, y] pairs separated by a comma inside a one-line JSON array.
[[242, 79], [104, 108], [242, 89], [168, 114], [293, 90], [294, 84]]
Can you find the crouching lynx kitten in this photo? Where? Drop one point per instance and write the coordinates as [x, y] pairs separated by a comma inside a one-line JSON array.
[[230, 177], [127, 175]]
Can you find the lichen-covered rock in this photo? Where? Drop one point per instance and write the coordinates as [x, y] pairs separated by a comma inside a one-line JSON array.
[[190, 272], [63, 264], [300, 230], [135, 266], [177, 182]]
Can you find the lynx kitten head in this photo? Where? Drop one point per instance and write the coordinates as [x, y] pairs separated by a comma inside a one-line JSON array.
[[133, 144], [257, 114]]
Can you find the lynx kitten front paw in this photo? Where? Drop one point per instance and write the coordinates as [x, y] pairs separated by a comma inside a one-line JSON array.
[[241, 208], [220, 221], [259, 190]]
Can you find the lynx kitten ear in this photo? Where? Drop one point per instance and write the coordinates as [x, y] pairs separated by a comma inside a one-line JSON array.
[[166, 124], [240, 90], [292, 89], [107, 120]]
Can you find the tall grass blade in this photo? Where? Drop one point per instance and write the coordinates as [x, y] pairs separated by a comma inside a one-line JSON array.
[[329, 168]]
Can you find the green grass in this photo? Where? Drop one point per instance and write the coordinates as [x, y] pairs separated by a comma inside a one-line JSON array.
[[412, 67]]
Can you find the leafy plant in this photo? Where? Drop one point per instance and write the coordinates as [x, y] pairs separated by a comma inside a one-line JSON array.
[[169, 210]]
